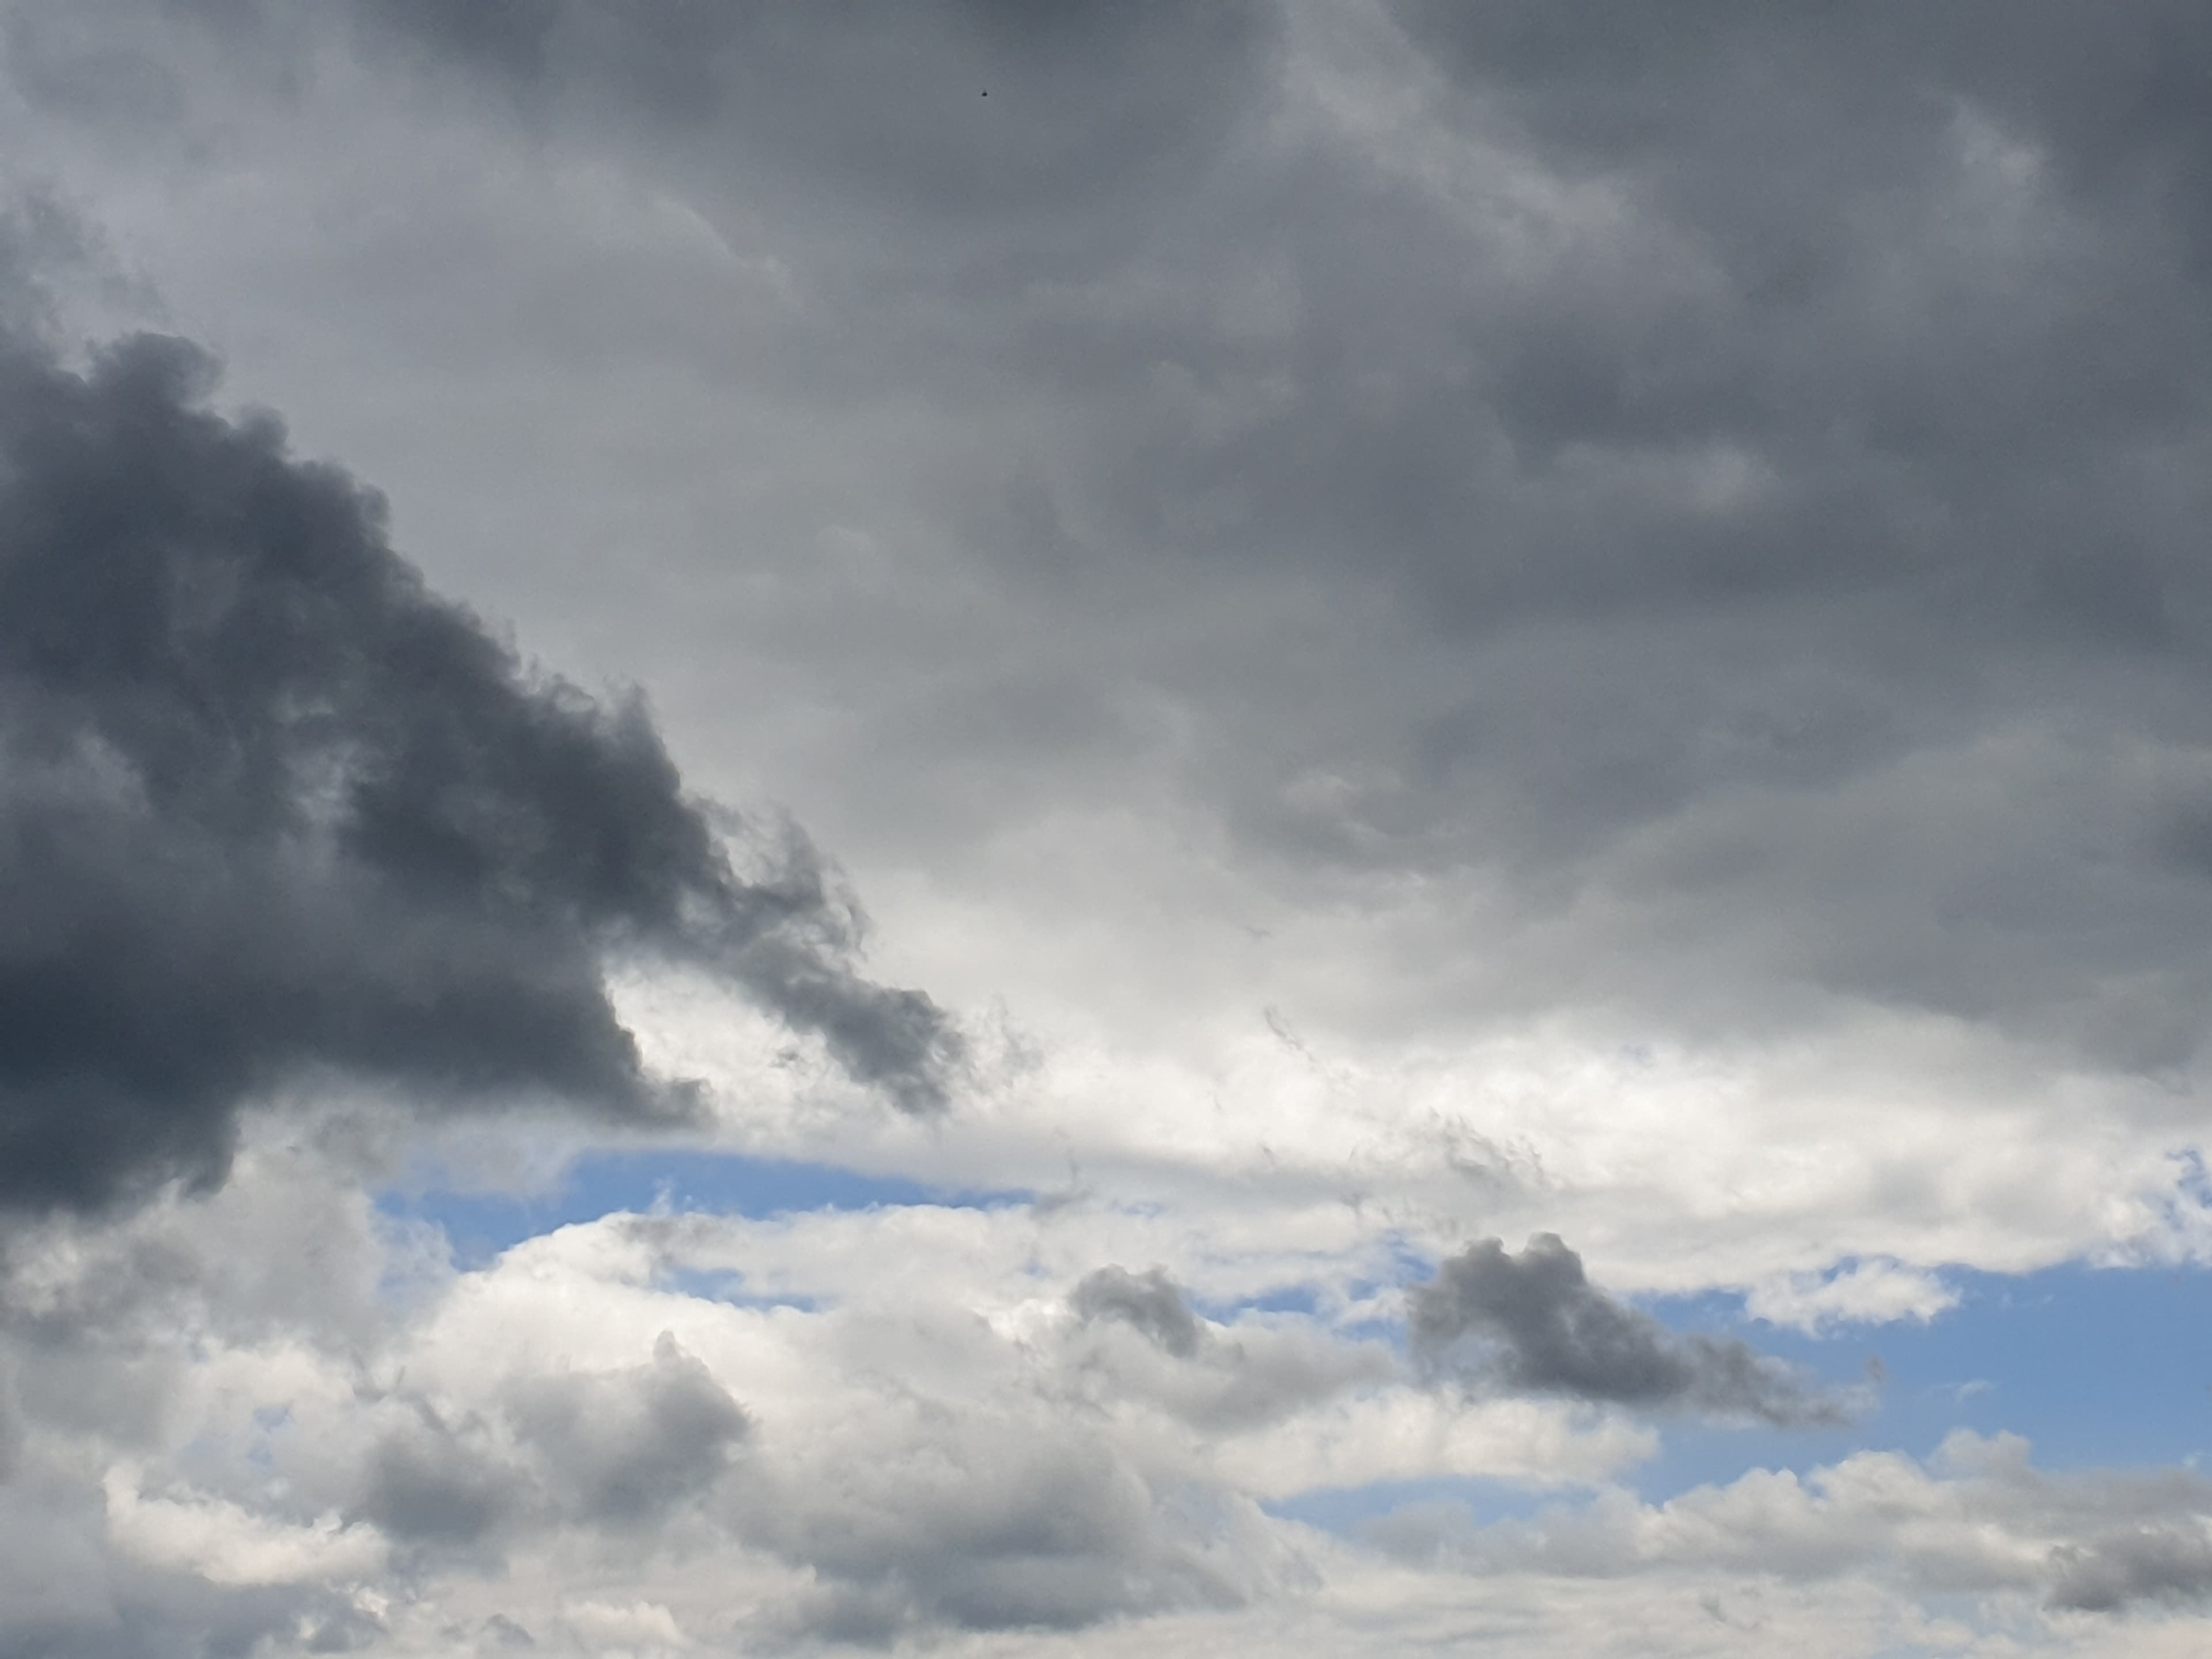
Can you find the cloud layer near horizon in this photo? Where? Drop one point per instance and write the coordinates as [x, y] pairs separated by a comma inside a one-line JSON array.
[[671, 1432]]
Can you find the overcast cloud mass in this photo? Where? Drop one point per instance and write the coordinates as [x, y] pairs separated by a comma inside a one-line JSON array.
[[812, 815]]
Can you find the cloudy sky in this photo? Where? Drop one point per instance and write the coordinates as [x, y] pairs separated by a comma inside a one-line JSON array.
[[976, 827]]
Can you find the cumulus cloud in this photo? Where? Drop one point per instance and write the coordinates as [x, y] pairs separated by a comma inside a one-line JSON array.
[[1535, 1321], [273, 809]]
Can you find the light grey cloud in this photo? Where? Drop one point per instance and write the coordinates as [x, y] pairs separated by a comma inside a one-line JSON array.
[[1535, 1321]]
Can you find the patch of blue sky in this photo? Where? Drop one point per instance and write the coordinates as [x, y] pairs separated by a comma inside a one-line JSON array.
[[2097, 1367], [1326, 1298], [480, 1225], [1411, 1265], [1302, 1299]]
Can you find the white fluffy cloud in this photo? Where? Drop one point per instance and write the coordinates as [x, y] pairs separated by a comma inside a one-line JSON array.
[[615, 1438]]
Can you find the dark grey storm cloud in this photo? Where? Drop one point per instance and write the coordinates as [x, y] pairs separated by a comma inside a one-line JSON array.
[[1150, 1302], [269, 807], [1534, 1321]]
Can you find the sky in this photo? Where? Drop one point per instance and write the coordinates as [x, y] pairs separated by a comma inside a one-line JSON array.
[[987, 828]]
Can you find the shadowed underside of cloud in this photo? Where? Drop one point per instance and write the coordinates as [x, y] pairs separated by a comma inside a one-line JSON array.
[[2170, 1564], [615, 1450], [1535, 1321], [1149, 1302], [269, 808]]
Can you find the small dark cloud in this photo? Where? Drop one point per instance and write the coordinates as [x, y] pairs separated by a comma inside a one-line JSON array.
[[2170, 1564], [1149, 1301], [1534, 1323], [270, 808]]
